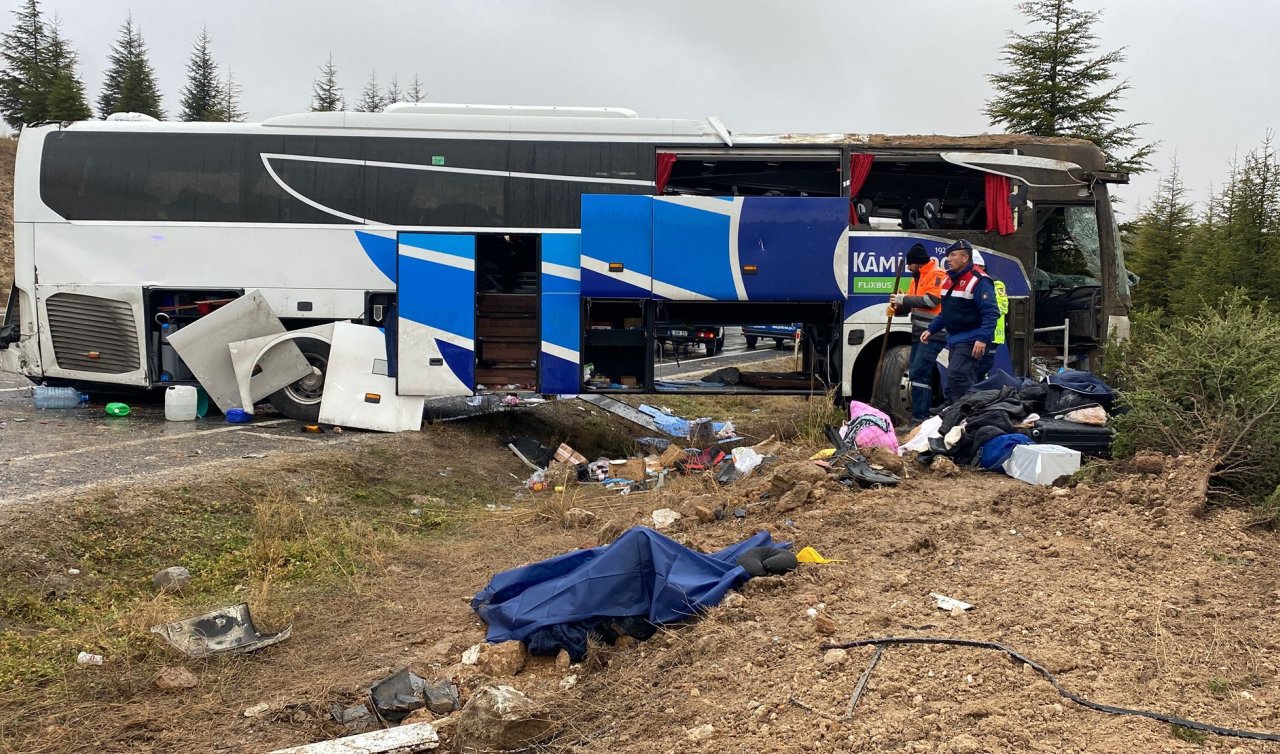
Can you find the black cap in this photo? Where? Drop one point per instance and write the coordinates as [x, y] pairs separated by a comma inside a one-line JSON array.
[[917, 255]]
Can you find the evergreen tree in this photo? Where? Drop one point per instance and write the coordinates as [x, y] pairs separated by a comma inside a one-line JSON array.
[[394, 93], [1162, 245], [326, 95], [1057, 84], [230, 109], [1239, 240], [202, 96], [24, 50], [415, 92], [66, 97], [371, 100], [130, 86]]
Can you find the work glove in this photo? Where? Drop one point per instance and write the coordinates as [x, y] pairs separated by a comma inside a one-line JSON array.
[[897, 298]]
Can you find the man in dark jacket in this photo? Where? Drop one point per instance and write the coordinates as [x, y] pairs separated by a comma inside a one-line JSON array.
[[969, 315]]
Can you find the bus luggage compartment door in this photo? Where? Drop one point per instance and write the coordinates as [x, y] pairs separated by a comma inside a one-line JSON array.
[[436, 326], [750, 248]]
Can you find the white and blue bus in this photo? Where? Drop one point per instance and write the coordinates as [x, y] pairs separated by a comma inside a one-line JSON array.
[[537, 249]]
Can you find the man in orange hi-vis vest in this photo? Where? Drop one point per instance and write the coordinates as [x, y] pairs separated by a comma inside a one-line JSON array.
[[923, 300]]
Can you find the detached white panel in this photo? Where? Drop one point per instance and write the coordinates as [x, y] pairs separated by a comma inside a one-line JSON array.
[[356, 373], [204, 346], [1041, 464], [281, 360]]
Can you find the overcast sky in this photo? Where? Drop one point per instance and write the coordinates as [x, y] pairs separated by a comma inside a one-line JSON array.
[[1203, 74]]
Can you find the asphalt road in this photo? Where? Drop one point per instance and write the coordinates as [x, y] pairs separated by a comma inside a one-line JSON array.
[[49, 454], [735, 354]]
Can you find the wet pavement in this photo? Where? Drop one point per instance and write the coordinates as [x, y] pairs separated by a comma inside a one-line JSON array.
[[53, 453]]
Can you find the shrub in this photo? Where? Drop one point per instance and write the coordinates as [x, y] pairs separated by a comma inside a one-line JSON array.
[[1206, 387]]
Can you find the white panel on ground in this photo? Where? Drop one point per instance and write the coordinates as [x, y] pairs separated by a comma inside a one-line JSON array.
[[203, 346], [357, 391], [281, 361]]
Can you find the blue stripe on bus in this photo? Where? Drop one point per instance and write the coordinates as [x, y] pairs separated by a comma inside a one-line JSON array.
[[617, 228], [381, 251], [601, 285], [691, 250], [463, 246], [461, 361], [562, 248], [559, 376]]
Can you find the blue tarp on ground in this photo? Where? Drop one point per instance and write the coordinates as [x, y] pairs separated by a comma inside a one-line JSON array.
[[642, 573]]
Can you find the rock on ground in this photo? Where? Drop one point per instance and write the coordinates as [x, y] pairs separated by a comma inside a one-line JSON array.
[[503, 659], [171, 579], [171, 678], [500, 718]]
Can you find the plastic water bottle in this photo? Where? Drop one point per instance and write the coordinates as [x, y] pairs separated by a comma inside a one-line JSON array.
[[59, 397]]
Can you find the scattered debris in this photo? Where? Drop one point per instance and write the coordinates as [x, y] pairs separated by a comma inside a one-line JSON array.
[[171, 579], [835, 657], [349, 716], [944, 466], [257, 709], [402, 739], [87, 658], [396, 696], [810, 555], [472, 655], [824, 625], [175, 677], [949, 603], [701, 732], [664, 518], [768, 561], [578, 518], [229, 629]]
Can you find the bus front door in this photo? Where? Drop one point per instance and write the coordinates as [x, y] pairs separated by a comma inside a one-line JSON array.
[[436, 326]]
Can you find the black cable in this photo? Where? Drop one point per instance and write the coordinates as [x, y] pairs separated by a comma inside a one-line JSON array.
[[1206, 727]]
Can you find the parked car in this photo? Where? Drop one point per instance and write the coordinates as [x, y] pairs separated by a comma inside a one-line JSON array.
[[710, 338], [780, 333]]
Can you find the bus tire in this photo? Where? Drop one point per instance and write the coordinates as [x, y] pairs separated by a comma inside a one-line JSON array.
[[893, 391], [751, 342], [301, 400]]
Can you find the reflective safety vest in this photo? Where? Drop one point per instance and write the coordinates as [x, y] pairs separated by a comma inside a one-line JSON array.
[[1002, 302]]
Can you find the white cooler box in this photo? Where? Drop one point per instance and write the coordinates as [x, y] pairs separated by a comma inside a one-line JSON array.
[[1041, 464]]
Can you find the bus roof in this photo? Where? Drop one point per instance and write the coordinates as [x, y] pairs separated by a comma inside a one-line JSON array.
[[595, 123]]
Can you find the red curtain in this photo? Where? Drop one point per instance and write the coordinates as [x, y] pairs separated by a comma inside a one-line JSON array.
[[999, 213], [859, 167], [666, 161]]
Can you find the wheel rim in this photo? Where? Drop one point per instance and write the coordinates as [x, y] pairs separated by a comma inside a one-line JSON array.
[[310, 388]]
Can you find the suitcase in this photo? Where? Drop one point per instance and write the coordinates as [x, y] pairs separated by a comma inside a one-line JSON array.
[[1089, 439]]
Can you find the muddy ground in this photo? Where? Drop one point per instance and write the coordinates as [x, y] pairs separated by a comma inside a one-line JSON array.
[[371, 550]]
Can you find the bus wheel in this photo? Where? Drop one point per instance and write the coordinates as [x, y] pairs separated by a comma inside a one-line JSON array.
[[893, 393], [301, 400]]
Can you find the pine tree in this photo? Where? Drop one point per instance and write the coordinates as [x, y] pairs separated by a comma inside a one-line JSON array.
[[371, 100], [230, 109], [1163, 245], [394, 93], [1237, 244], [130, 86], [1057, 84], [202, 96], [415, 93], [24, 50], [66, 98], [326, 95]]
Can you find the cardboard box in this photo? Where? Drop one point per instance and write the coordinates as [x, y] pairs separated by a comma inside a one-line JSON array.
[[627, 380], [672, 454], [632, 469], [632, 323], [566, 454]]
